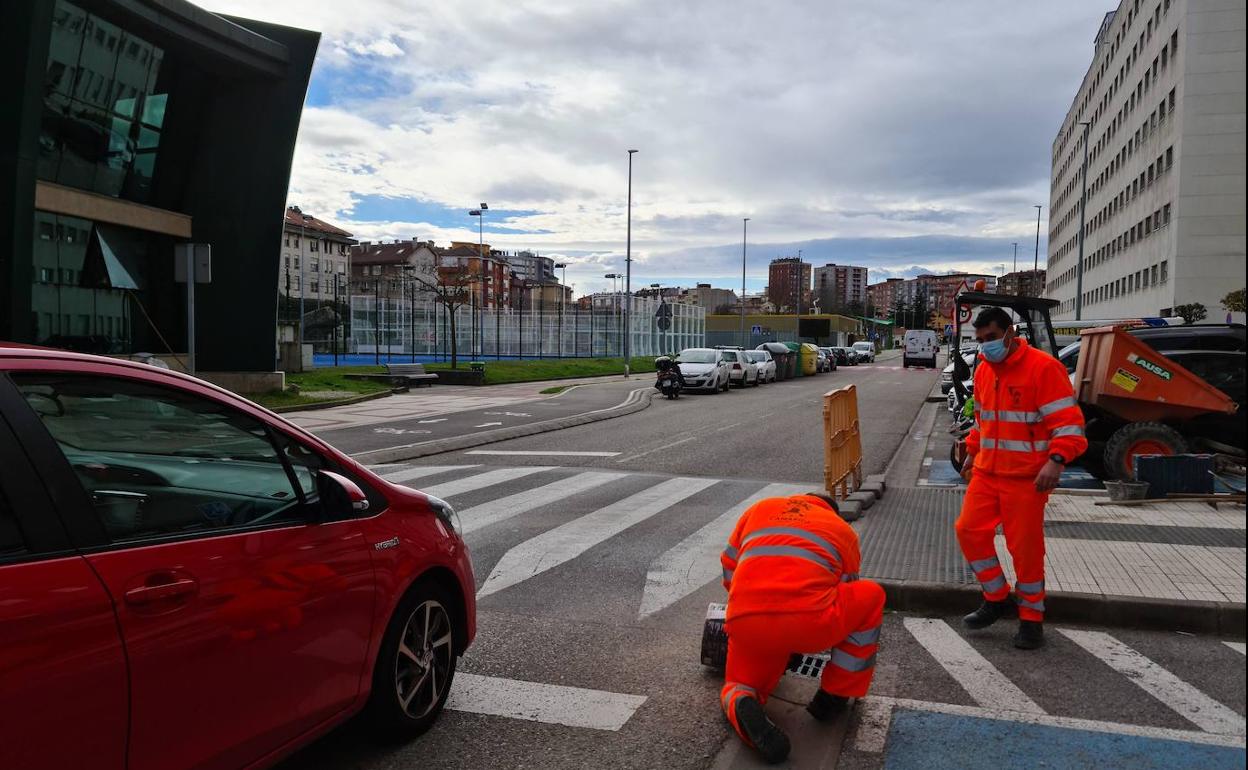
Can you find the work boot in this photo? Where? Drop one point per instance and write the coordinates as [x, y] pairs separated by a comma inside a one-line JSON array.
[[987, 614], [1030, 635], [770, 741], [824, 706]]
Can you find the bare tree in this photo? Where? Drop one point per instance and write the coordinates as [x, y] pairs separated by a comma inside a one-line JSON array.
[[450, 286]]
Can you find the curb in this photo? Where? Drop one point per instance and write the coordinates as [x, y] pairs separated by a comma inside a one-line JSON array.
[[1220, 618], [637, 400], [331, 404]]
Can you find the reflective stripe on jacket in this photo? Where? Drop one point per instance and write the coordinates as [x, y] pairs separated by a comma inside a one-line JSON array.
[[788, 554], [1025, 410]]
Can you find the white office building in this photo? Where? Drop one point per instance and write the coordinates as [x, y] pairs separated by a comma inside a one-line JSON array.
[[1163, 105]]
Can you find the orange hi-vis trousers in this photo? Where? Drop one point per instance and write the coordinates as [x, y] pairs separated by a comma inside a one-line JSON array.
[[760, 645], [1014, 504]]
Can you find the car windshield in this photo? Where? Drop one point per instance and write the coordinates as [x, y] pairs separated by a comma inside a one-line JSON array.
[[754, 357], [729, 355], [862, 346], [695, 356]]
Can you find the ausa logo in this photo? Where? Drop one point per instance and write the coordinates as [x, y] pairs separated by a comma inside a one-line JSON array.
[[1149, 366]]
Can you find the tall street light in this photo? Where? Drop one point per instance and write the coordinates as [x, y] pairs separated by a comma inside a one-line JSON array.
[[562, 284], [628, 267], [480, 215], [1083, 207], [1036, 265], [745, 224]]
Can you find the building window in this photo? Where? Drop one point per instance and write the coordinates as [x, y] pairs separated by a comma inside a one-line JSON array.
[[1165, 270], [1153, 272], [312, 245], [1165, 214], [1170, 100], [314, 287], [1169, 157], [315, 263]]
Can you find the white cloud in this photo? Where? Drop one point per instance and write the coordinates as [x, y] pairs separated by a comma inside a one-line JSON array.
[[818, 120]]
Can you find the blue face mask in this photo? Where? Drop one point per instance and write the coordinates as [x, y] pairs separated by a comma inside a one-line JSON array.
[[994, 351]]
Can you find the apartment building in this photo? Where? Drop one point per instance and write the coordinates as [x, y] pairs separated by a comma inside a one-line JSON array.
[[1159, 120], [840, 286], [316, 257], [788, 282], [1023, 283]]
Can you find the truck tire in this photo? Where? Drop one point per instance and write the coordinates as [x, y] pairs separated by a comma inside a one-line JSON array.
[[1140, 438]]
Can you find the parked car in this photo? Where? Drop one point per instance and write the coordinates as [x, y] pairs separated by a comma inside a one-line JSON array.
[[765, 363], [851, 355], [920, 348], [866, 351], [741, 370], [824, 361], [703, 369], [969, 352], [166, 544]]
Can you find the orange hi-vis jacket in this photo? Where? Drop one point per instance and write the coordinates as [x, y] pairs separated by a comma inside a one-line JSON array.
[[788, 554], [1025, 411]]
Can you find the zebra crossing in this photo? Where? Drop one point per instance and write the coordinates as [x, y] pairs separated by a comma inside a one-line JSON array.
[[635, 549]]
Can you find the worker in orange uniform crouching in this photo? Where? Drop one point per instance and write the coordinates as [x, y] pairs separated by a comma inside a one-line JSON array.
[[1028, 426], [791, 572]]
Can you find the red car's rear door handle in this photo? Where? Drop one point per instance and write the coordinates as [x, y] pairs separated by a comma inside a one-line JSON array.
[[174, 589]]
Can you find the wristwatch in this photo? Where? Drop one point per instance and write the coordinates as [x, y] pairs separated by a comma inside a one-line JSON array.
[[1058, 459]]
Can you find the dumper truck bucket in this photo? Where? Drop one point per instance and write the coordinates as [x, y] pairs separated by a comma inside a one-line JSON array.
[[1121, 375]]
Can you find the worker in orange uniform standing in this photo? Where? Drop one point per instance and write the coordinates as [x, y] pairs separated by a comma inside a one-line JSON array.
[[791, 570], [1028, 426]]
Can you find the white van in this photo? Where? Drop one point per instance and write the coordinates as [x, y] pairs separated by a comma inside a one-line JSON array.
[[920, 348]]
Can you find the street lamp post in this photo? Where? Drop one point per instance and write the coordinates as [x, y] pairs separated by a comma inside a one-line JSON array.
[[562, 283], [1083, 206], [745, 223], [628, 268], [479, 213], [1036, 265]]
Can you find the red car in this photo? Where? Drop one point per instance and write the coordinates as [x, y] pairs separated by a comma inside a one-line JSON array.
[[188, 580]]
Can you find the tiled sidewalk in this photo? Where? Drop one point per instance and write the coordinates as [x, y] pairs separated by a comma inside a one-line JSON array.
[[1181, 550], [1159, 570]]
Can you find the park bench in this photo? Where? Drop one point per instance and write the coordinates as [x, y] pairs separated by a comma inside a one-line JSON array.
[[411, 374]]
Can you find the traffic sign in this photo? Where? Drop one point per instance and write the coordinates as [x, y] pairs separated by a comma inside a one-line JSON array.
[[756, 329], [664, 311], [948, 328], [664, 323]]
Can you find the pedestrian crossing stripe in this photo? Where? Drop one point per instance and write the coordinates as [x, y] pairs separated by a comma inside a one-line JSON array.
[[691, 565]]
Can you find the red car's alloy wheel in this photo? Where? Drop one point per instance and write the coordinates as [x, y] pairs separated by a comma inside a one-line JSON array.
[[422, 668]]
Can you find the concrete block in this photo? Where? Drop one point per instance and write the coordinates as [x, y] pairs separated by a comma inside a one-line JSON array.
[[865, 499], [878, 478], [874, 487], [850, 510]]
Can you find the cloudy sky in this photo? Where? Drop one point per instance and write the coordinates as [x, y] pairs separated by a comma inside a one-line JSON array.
[[903, 136]]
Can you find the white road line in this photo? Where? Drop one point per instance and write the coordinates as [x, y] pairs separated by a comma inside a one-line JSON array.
[[982, 681], [564, 543], [536, 702], [668, 445], [1071, 723], [483, 480], [1181, 697], [694, 561], [408, 474], [538, 453], [1236, 646], [500, 509], [874, 717]]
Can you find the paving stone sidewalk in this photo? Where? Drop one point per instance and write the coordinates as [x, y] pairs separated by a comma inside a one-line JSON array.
[[1167, 551]]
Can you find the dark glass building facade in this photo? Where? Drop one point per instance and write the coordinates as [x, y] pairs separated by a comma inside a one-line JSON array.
[[140, 124]]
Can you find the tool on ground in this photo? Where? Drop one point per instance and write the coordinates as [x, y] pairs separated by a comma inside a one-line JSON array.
[[715, 647]]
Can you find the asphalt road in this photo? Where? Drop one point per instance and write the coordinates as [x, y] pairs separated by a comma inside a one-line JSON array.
[[594, 573], [771, 432], [401, 431], [588, 590]]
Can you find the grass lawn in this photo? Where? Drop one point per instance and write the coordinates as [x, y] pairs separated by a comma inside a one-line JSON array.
[[534, 370], [330, 382]]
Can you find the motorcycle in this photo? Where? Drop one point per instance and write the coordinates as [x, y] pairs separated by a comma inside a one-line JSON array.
[[669, 381]]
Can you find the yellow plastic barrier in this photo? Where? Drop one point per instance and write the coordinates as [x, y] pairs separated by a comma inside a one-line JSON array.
[[842, 443]]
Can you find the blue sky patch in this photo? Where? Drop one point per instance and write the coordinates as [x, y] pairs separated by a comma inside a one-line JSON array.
[[380, 208]]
